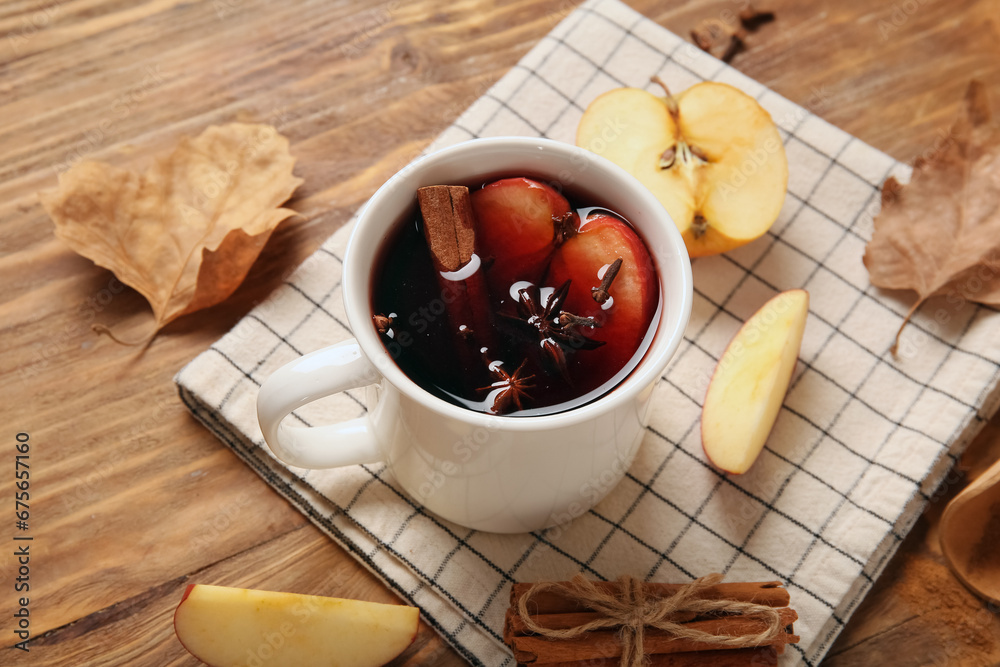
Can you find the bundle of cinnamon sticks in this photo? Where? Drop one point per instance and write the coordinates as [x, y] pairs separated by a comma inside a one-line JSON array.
[[556, 609]]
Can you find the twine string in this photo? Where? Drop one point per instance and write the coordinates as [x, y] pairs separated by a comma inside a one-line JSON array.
[[630, 609]]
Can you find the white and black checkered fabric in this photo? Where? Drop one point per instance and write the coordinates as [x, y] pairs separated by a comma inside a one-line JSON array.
[[863, 440]]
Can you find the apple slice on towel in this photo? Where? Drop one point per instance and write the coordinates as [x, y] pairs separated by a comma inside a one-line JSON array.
[[750, 381], [711, 155], [226, 627]]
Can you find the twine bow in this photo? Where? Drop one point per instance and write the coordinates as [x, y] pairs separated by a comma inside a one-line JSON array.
[[630, 609]]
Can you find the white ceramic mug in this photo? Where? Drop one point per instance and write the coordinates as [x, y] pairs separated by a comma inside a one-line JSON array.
[[492, 473]]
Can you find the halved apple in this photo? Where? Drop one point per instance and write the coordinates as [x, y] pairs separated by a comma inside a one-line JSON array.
[[750, 381], [711, 155], [227, 627]]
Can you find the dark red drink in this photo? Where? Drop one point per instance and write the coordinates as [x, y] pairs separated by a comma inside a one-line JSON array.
[[554, 309]]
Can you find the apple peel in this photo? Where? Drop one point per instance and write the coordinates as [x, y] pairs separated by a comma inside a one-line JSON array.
[[749, 384]]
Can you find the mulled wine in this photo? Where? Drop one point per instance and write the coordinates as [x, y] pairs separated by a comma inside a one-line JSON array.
[[509, 297]]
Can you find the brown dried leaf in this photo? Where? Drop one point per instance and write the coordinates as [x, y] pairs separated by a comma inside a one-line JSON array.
[[185, 233], [940, 234]]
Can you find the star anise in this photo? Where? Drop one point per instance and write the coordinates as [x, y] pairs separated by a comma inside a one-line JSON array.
[[513, 388], [557, 330]]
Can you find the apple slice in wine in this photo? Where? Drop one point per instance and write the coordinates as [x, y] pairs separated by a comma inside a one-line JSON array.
[[626, 311]]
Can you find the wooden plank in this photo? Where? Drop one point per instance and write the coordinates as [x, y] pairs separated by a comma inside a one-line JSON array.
[[889, 72]]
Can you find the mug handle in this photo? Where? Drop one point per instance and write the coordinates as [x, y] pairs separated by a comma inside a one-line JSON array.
[[324, 372]]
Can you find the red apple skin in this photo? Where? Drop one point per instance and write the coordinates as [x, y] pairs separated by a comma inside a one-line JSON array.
[[187, 592], [515, 229], [634, 293]]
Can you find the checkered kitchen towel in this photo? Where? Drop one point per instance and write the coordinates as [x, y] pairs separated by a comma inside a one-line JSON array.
[[860, 446]]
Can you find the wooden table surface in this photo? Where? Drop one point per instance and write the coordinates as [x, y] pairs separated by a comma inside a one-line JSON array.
[[131, 498]]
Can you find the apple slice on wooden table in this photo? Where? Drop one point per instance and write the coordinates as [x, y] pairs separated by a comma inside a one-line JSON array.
[[226, 627], [750, 381], [711, 155]]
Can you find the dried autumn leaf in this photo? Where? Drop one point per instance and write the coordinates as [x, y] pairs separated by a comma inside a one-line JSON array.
[[940, 234], [184, 233]]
